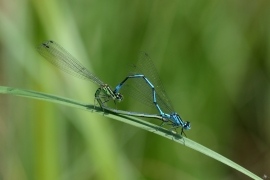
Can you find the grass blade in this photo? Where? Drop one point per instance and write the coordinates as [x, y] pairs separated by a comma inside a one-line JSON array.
[[129, 120]]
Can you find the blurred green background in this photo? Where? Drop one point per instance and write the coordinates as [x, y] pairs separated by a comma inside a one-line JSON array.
[[213, 58]]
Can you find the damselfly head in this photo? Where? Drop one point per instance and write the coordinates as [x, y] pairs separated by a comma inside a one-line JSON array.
[[119, 97], [187, 126]]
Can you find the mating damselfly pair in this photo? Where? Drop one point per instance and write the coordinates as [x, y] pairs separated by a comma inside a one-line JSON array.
[[146, 84]]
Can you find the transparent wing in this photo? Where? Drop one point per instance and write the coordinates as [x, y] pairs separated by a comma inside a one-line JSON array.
[[62, 59], [137, 89], [140, 90]]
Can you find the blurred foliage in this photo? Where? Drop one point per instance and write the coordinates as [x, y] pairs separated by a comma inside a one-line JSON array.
[[213, 58]]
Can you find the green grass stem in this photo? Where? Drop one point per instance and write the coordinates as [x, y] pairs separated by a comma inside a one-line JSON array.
[[129, 120]]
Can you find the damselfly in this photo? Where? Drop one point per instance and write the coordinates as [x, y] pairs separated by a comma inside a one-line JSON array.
[[147, 88], [156, 97], [59, 57]]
